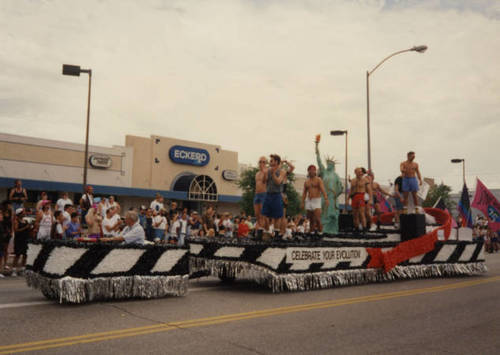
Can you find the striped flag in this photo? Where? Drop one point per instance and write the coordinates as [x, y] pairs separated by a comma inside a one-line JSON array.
[[464, 208]]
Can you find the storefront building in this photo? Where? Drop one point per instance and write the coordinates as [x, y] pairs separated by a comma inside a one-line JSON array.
[[192, 173]]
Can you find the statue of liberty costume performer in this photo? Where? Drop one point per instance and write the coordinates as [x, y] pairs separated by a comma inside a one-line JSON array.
[[333, 187]]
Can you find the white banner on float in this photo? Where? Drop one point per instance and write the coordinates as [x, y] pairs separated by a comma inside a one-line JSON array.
[[303, 257]]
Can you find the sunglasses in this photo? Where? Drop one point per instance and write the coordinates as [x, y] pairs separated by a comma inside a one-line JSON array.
[[262, 162]]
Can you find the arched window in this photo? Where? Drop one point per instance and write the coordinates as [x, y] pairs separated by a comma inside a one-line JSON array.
[[202, 188]]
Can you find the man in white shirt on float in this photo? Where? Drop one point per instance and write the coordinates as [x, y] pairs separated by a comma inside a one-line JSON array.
[[63, 201], [132, 233]]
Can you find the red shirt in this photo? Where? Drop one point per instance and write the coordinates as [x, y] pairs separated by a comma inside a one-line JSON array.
[[243, 229]]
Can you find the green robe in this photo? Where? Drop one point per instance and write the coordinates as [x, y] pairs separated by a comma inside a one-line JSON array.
[[333, 187]]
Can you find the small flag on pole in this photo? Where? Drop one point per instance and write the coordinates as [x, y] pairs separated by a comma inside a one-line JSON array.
[[464, 208]]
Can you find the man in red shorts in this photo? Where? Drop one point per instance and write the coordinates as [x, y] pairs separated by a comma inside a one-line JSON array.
[[359, 186]]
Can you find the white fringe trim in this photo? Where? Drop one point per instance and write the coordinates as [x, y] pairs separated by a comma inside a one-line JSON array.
[[226, 269], [74, 290]]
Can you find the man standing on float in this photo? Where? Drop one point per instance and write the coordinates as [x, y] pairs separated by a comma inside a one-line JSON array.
[[272, 208], [333, 187], [311, 199], [260, 195], [410, 172]]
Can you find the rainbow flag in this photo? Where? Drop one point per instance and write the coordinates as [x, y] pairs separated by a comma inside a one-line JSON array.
[[464, 208]]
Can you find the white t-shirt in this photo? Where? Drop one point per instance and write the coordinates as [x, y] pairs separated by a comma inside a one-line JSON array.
[[67, 218], [61, 203], [156, 206], [159, 219], [110, 222], [183, 225], [228, 225], [102, 207], [174, 226], [59, 229]]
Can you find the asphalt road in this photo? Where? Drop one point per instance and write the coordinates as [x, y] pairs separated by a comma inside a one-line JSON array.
[[431, 316]]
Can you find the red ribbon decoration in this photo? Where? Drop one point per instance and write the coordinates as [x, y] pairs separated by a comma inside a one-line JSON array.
[[411, 248]]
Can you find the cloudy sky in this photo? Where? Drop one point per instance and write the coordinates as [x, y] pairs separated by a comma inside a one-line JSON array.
[[263, 76]]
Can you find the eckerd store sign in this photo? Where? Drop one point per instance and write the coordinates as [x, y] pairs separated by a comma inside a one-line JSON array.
[[190, 156]]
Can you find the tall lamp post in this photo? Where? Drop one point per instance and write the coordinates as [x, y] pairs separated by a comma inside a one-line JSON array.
[[456, 161], [75, 70], [341, 133], [419, 49]]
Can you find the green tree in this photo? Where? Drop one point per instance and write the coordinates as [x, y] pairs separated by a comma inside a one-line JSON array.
[[437, 191], [247, 184]]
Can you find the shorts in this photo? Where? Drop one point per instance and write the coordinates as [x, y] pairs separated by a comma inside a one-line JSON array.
[[398, 204], [410, 184], [358, 200], [159, 233], [259, 198], [20, 245], [313, 204], [273, 205]]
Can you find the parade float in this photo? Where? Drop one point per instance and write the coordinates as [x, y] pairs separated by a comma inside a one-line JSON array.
[[307, 263], [87, 270], [420, 248]]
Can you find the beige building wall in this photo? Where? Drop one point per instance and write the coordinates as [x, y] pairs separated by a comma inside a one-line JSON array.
[[49, 160], [153, 168]]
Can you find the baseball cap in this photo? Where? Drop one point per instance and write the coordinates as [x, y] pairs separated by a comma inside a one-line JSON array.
[[19, 211]]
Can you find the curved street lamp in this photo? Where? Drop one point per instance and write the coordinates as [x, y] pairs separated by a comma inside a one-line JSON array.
[[341, 133], [75, 70], [419, 49]]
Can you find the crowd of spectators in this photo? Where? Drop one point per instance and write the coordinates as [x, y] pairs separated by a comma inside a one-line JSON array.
[[102, 218], [481, 231]]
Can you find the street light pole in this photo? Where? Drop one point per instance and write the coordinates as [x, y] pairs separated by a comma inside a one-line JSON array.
[[463, 166], [419, 49], [75, 70], [340, 133]]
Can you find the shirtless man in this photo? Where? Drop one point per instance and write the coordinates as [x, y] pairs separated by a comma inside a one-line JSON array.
[[260, 195], [311, 198], [410, 172], [359, 186]]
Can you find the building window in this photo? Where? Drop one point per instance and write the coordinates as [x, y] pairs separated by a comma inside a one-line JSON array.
[[202, 188]]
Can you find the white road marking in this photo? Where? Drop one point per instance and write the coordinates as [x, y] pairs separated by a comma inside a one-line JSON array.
[[24, 304]]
